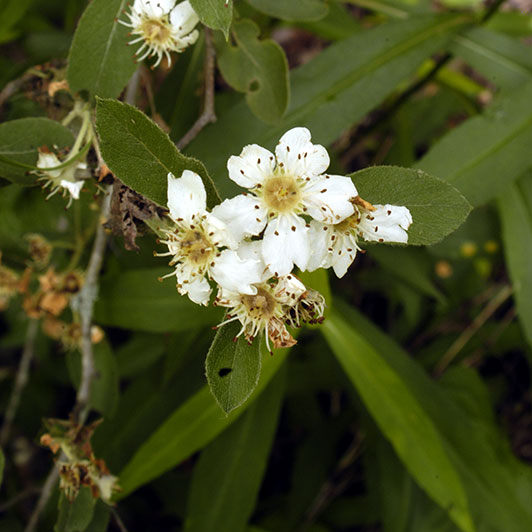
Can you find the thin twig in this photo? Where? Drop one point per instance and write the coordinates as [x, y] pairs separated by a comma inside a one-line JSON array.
[[88, 296], [33, 490], [336, 484], [473, 328], [208, 114], [132, 88], [118, 521], [46, 493], [20, 380]]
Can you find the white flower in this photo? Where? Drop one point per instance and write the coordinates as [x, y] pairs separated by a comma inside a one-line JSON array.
[[336, 245], [162, 26], [62, 180], [284, 188], [265, 311], [196, 244]]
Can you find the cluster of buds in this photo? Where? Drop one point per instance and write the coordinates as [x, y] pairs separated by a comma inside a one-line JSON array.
[[77, 464], [10, 283], [54, 293], [293, 215]]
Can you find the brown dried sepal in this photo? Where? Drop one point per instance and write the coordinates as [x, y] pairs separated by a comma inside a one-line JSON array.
[[357, 200], [128, 210], [40, 250]]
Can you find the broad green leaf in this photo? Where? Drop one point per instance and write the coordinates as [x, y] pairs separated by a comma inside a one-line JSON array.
[[10, 14], [483, 155], [136, 300], [414, 267], [140, 154], [192, 426], [76, 515], [104, 388], [100, 518], [503, 61], [515, 211], [100, 60], [215, 14], [258, 68], [498, 485], [292, 10], [229, 472], [437, 208], [232, 367], [19, 140], [512, 23], [334, 90], [400, 416]]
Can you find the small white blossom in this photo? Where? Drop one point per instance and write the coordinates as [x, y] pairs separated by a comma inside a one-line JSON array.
[[265, 311], [336, 245], [197, 244], [162, 27], [62, 180], [285, 187]]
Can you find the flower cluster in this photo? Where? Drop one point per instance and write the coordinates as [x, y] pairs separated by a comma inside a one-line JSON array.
[[293, 214], [161, 27]]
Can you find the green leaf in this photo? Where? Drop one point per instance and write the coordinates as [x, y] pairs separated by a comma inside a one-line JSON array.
[[483, 155], [229, 472], [104, 387], [192, 426], [100, 60], [400, 416], [100, 518], [232, 367], [140, 154], [334, 90], [412, 266], [136, 300], [258, 68], [215, 14], [515, 211], [10, 14], [437, 208], [76, 515], [19, 140], [292, 10], [498, 486], [503, 61]]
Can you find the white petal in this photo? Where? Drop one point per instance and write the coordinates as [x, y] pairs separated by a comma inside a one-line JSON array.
[[235, 274], [243, 215], [319, 237], [73, 187], [343, 254], [285, 243], [251, 167], [289, 289], [186, 196], [299, 156], [183, 17], [49, 160], [186, 41], [327, 198], [197, 290], [387, 223], [218, 232], [252, 250]]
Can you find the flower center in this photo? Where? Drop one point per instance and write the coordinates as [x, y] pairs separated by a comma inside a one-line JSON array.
[[196, 246], [282, 193], [260, 306], [155, 31], [350, 223]]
